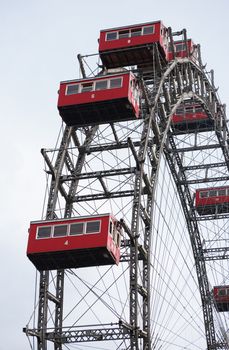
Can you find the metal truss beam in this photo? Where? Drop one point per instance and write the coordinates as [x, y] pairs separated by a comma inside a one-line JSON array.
[[204, 166], [91, 335], [194, 148], [97, 174], [135, 288], [99, 196], [86, 335], [221, 346], [216, 257], [185, 132], [110, 147], [209, 253], [210, 217], [222, 132], [205, 93], [204, 180]]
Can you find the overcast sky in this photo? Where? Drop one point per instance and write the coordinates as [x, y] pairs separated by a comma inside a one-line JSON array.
[[39, 43]]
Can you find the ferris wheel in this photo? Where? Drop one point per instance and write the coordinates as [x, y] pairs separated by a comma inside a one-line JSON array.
[[132, 249]]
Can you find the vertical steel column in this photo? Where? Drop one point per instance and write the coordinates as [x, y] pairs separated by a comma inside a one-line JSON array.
[[147, 342], [134, 253], [43, 310], [53, 193], [134, 260], [59, 308], [44, 276], [147, 285]]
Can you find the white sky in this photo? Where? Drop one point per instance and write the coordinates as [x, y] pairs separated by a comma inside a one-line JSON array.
[[39, 42]]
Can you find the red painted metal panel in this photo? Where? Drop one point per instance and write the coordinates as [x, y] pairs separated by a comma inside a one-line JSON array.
[[78, 250], [134, 94], [67, 242], [211, 203], [191, 52], [93, 96], [113, 248], [132, 48], [109, 104], [182, 53], [189, 117], [213, 200], [157, 36], [221, 298]]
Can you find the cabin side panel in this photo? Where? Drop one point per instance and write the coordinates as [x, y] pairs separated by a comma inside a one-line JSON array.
[[134, 94], [212, 200], [129, 40], [94, 95], [189, 117], [68, 242], [107, 101]]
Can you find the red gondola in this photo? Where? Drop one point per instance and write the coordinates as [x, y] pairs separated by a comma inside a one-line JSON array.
[[75, 242], [221, 298], [190, 117], [103, 99], [127, 46], [212, 200], [183, 49]]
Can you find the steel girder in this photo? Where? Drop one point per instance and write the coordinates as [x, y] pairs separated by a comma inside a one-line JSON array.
[[200, 89], [182, 79], [137, 254]]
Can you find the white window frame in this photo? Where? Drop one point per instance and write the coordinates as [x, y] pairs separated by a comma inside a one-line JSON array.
[[124, 30], [76, 93], [68, 229], [77, 234], [67, 232], [37, 229], [178, 44], [139, 29], [179, 111], [92, 233], [151, 25], [99, 80], [93, 84], [202, 192], [222, 189], [216, 194], [112, 33], [118, 87], [89, 82], [222, 290], [111, 226], [189, 109]]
